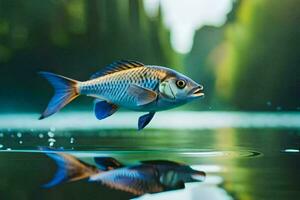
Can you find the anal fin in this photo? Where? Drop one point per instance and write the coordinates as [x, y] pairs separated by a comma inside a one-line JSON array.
[[104, 109], [145, 119]]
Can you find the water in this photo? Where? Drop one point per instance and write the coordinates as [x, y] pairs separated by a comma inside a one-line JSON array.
[[255, 156]]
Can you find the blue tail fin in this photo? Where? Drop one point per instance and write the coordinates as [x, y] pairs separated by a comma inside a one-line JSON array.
[[61, 172], [65, 91], [69, 169]]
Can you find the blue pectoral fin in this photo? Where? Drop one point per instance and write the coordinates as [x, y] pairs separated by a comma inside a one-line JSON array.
[[142, 95], [104, 109], [145, 119]]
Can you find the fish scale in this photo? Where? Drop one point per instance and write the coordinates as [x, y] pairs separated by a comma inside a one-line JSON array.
[[114, 86]]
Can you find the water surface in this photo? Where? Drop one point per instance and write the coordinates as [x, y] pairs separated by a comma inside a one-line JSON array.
[[254, 160]]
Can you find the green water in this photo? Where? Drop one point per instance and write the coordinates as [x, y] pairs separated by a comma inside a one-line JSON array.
[[240, 163]]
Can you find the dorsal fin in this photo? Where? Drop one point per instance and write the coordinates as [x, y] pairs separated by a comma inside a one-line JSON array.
[[107, 163], [116, 67]]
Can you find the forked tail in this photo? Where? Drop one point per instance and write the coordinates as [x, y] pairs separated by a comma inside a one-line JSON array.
[[66, 90], [69, 169]]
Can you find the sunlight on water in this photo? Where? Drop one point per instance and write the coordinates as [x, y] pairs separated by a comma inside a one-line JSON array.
[[162, 120], [230, 165], [233, 149], [208, 168], [137, 153], [291, 150], [192, 191]]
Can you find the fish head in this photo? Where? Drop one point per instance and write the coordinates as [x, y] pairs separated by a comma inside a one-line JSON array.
[[183, 173], [178, 87]]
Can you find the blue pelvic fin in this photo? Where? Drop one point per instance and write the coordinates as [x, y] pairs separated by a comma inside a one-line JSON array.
[[65, 91], [142, 95], [145, 119], [103, 109], [107, 163], [69, 169]]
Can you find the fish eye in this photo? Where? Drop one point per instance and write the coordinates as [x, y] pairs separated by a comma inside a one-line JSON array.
[[180, 84]]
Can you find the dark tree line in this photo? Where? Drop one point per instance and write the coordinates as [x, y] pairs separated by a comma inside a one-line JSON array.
[[74, 38]]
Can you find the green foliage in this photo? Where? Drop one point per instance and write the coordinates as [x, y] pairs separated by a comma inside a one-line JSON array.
[[201, 61], [74, 38], [261, 67], [250, 63], [207, 54]]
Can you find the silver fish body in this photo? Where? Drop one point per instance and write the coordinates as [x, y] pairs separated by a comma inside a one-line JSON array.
[[114, 87], [127, 84]]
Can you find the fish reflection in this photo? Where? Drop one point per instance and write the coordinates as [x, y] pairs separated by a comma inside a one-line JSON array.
[[150, 176]]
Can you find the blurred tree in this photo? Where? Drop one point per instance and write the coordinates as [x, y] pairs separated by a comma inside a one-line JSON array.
[[75, 38], [206, 54], [203, 58], [261, 70]]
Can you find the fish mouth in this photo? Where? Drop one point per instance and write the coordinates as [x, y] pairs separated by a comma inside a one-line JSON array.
[[199, 176], [197, 92]]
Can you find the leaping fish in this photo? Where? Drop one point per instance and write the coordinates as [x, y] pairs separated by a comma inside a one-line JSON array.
[[126, 83]]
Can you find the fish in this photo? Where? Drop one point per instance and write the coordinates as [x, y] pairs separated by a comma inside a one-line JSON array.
[[150, 176], [127, 84]]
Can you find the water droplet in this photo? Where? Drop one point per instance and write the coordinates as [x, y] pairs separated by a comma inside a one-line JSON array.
[[1, 146], [8, 149], [41, 135], [72, 140], [1, 135], [12, 135], [20, 142], [51, 140], [19, 134], [50, 134], [52, 129], [269, 103]]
